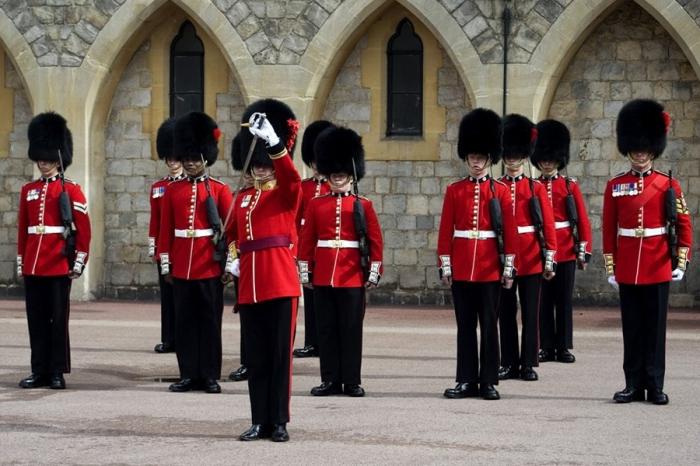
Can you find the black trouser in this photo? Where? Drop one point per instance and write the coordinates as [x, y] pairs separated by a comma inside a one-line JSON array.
[[268, 330], [48, 309], [167, 310], [341, 312], [199, 305], [243, 353], [528, 289], [644, 309], [472, 301], [557, 327], [310, 334]]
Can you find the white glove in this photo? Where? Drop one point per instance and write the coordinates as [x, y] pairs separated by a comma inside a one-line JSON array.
[[677, 275], [19, 266], [234, 267], [263, 130], [613, 282]]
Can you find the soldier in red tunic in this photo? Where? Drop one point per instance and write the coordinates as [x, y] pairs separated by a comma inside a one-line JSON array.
[[573, 241], [312, 187], [537, 246], [191, 217], [647, 242], [268, 287], [341, 256], [476, 250], [164, 146], [53, 242]]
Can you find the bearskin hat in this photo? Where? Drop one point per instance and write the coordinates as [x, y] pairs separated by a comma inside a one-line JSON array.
[[480, 133], [642, 125], [49, 136], [553, 140], [196, 135], [164, 139], [307, 143], [519, 136], [283, 121], [336, 149]]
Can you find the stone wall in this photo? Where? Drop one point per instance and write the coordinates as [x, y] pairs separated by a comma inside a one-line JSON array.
[[629, 55], [130, 170], [15, 170], [60, 32], [406, 195]]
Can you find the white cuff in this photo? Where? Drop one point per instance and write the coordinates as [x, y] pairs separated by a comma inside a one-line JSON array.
[[549, 260], [446, 266], [304, 274], [374, 275], [509, 266], [151, 247], [79, 263], [164, 264]]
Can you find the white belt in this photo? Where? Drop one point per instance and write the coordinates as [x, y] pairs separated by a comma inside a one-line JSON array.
[[474, 234], [44, 230], [193, 233], [641, 232], [560, 225], [337, 243], [526, 229]]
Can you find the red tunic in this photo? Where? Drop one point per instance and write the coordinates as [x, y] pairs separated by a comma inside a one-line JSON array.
[[39, 241], [310, 188], [557, 191], [329, 219], [157, 193], [267, 214], [529, 257], [185, 237], [466, 208], [635, 243]]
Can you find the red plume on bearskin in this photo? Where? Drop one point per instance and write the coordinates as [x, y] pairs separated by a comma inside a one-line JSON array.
[[194, 137], [642, 126], [48, 135], [552, 144], [336, 149], [480, 133], [307, 143], [518, 135]]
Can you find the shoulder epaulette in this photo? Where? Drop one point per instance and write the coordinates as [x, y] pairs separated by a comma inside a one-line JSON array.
[[68, 180], [662, 173], [571, 178], [620, 174], [216, 181]]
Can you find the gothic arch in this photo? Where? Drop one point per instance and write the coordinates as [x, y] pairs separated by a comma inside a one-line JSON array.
[[20, 54], [339, 34], [572, 28]]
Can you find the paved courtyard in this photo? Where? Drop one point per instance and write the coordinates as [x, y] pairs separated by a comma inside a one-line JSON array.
[[117, 409]]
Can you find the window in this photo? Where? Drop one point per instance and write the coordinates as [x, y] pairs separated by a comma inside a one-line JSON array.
[[405, 82], [186, 72]]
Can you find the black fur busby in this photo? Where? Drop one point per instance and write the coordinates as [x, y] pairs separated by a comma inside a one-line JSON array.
[[164, 139], [283, 121], [336, 149], [307, 143], [480, 133], [196, 135], [642, 125], [553, 140], [48, 136], [237, 158], [519, 136]]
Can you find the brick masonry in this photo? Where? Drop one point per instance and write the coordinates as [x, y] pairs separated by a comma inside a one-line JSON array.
[[629, 55]]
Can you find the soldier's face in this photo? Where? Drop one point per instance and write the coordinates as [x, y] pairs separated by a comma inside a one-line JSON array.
[[340, 182], [175, 166], [640, 161], [193, 167], [262, 173], [477, 164], [548, 166], [46, 168], [514, 164]]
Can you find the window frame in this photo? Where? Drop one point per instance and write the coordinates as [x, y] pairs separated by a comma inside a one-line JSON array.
[[174, 53]]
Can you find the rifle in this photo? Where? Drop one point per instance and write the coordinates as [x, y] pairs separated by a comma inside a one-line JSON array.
[[219, 237], [360, 221], [537, 220], [572, 213], [497, 221], [672, 221], [66, 209]]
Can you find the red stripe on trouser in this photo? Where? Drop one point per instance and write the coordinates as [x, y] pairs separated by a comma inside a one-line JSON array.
[[292, 334]]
